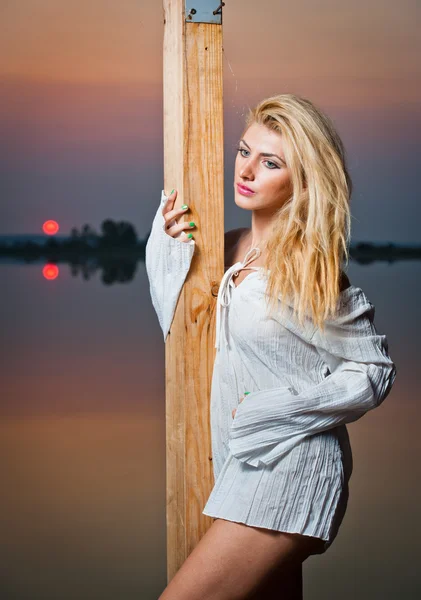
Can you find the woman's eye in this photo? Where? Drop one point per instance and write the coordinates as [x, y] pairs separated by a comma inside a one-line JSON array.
[[241, 150], [266, 161], [272, 163]]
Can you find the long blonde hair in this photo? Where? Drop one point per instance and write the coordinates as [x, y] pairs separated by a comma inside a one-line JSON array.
[[312, 230]]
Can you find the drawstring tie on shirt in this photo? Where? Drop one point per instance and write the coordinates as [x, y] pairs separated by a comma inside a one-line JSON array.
[[225, 292]]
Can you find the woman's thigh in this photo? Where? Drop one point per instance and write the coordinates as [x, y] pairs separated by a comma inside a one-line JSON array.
[[234, 561]]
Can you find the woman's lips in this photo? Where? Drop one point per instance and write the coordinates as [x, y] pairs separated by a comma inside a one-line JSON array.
[[244, 191]]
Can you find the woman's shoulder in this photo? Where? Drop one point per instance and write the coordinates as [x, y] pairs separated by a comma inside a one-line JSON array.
[[344, 282], [231, 243], [233, 235]]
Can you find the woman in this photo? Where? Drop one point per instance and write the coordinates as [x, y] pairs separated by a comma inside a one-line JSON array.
[[298, 355]]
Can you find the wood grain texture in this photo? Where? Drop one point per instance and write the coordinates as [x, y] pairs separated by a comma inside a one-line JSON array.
[[193, 164]]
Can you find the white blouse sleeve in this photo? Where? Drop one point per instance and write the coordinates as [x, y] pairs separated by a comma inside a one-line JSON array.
[[269, 423], [167, 261]]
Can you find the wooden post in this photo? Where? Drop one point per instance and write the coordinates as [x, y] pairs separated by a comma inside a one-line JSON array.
[[193, 164]]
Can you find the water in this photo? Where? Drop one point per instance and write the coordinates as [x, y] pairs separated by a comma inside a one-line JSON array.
[[82, 444]]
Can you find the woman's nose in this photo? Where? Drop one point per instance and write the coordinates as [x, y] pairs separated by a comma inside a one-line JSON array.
[[247, 172]]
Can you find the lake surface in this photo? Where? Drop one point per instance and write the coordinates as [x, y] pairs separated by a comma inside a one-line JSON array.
[[82, 445]]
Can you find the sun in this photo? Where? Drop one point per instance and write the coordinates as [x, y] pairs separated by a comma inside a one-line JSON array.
[[50, 227]]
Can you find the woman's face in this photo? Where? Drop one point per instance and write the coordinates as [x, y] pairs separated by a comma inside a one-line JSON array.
[[267, 176]]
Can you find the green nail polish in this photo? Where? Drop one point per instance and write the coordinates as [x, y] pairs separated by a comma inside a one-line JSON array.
[[184, 206], [245, 393], [190, 235], [191, 223], [172, 191]]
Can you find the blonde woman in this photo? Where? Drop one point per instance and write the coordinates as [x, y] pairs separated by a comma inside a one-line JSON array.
[[298, 356]]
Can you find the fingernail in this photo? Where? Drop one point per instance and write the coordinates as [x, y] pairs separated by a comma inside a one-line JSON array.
[[190, 235], [246, 393], [191, 223], [172, 191], [184, 207]]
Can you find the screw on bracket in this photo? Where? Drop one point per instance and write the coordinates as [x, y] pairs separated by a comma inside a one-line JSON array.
[[218, 11], [193, 11]]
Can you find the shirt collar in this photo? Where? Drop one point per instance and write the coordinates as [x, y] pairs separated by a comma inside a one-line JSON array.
[[226, 288]]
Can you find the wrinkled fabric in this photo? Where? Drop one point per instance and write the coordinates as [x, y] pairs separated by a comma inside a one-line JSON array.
[[269, 422], [167, 262], [284, 461]]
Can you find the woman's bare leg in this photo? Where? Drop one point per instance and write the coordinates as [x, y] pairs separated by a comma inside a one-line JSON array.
[[234, 561]]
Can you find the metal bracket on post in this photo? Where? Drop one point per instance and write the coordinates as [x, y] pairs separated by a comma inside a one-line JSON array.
[[203, 11]]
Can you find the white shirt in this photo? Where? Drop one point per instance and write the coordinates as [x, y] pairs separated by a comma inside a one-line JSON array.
[[284, 461]]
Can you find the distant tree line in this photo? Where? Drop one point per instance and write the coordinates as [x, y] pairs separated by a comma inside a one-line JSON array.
[[113, 233]]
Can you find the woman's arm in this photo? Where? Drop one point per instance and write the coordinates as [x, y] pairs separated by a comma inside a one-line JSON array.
[[167, 261], [269, 423]]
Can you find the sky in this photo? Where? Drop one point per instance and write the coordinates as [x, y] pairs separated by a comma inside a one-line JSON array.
[[81, 104]]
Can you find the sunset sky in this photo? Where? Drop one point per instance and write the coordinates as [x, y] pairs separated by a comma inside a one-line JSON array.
[[81, 104]]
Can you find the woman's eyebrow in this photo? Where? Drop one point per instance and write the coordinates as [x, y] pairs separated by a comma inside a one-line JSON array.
[[264, 153]]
